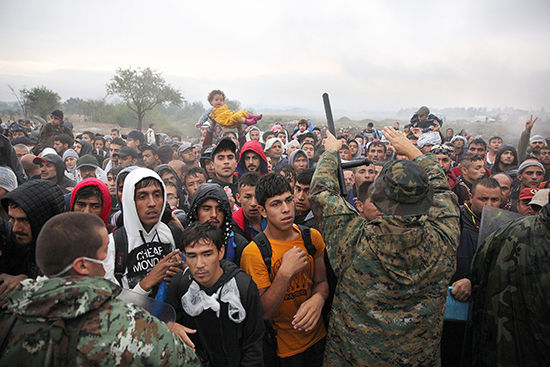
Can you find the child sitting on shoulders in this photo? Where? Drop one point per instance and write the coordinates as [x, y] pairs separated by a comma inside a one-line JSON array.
[[224, 116]]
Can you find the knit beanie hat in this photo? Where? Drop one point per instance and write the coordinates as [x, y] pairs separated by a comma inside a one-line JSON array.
[[8, 181]]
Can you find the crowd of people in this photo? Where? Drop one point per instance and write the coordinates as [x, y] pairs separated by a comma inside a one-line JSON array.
[[246, 235]]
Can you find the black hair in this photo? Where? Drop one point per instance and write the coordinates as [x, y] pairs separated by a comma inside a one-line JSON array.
[[118, 141], [285, 169], [198, 231], [305, 176], [194, 171], [249, 179], [171, 184], [265, 136], [165, 153], [495, 138], [87, 192], [115, 171], [378, 144], [213, 93], [64, 139], [148, 181], [152, 124], [309, 134], [487, 182], [270, 185], [362, 192], [225, 134], [90, 134], [479, 141], [115, 130]]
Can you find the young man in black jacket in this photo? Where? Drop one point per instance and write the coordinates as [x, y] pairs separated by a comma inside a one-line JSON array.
[[217, 303]]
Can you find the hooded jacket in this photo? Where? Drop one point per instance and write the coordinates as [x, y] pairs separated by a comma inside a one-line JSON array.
[[393, 273], [8, 158], [255, 147], [511, 170], [105, 194], [48, 132], [145, 249], [235, 243], [219, 339], [293, 156], [62, 180], [113, 333], [40, 200], [70, 153], [86, 148], [259, 131]]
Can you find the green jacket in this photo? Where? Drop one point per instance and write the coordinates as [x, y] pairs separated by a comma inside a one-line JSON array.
[[511, 288], [393, 273], [113, 333]]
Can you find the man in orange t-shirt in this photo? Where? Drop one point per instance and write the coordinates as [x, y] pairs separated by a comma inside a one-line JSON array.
[[294, 292]]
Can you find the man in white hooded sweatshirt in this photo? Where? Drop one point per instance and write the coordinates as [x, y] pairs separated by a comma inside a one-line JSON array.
[[148, 255]]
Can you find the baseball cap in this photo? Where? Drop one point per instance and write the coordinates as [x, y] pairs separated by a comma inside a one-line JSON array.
[[527, 193], [403, 189], [225, 144], [51, 158], [540, 198], [86, 161], [183, 147], [127, 151]]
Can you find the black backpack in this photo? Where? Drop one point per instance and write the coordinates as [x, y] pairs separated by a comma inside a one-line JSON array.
[[270, 342]]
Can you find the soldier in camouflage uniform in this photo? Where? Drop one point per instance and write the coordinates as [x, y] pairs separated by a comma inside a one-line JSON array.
[[511, 288], [73, 318], [392, 272]]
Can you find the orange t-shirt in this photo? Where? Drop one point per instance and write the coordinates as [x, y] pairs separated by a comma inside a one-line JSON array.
[[289, 341]]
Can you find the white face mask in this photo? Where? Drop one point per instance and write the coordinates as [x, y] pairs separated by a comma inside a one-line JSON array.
[[69, 267]]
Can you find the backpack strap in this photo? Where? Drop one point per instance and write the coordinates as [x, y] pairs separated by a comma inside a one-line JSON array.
[[306, 237], [265, 249], [121, 253], [177, 234]]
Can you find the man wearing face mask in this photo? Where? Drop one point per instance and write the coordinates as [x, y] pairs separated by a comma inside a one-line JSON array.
[[74, 315]]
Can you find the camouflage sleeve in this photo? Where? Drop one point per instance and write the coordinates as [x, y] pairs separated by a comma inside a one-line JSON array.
[[134, 336], [444, 213], [340, 225]]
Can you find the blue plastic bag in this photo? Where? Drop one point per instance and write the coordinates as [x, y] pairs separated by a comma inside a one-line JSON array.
[[455, 310]]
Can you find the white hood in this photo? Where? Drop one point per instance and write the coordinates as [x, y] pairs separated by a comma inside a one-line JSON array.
[[130, 217], [137, 235]]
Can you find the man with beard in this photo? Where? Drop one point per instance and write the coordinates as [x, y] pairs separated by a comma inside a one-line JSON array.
[[506, 161], [505, 183], [252, 159], [443, 153], [27, 216], [535, 142], [377, 151]]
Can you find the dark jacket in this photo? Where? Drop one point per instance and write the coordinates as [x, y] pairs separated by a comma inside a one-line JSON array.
[[511, 170], [467, 246], [62, 180], [252, 145], [235, 243], [220, 340], [47, 133], [40, 200], [8, 158]]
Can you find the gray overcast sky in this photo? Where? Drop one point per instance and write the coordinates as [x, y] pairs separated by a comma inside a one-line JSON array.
[[368, 55]]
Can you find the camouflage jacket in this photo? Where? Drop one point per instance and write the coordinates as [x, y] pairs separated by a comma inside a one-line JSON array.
[[392, 273], [511, 287], [113, 333]]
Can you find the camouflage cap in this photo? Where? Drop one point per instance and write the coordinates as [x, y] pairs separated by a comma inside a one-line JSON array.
[[403, 189]]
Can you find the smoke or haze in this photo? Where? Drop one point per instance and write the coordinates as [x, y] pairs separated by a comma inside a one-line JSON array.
[[369, 55]]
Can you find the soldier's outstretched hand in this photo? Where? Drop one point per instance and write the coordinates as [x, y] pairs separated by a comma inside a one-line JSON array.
[[401, 143], [332, 142]]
